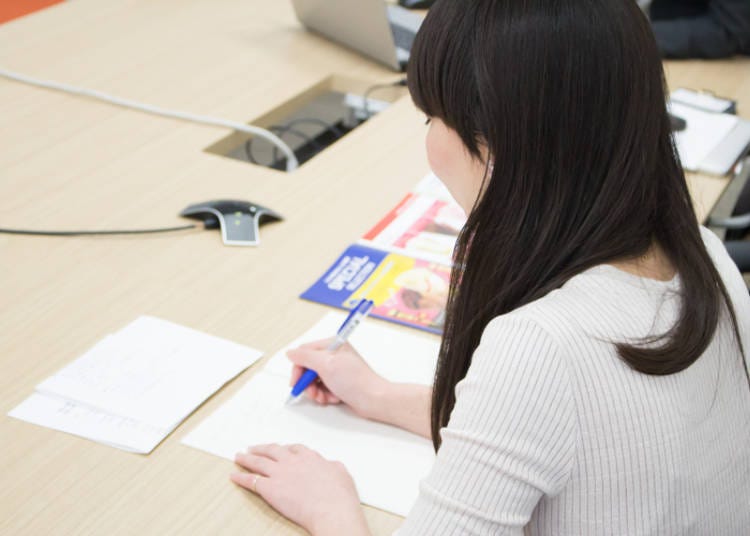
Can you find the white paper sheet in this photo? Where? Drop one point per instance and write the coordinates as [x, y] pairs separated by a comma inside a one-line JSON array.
[[132, 388], [704, 131], [153, 371], [396, 354], [67, 416], [385, 462]]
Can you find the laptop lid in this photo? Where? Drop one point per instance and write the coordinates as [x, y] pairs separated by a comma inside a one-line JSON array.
[[359, 24]]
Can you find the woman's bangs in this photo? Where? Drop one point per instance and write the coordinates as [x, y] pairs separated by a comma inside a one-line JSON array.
[[423, 74], [439, 77]]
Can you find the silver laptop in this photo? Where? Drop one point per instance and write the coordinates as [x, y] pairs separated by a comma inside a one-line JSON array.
[[378, 30]]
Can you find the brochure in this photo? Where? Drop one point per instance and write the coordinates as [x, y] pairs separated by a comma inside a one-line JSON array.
[[421, 226], [405, 289], [403, 263]]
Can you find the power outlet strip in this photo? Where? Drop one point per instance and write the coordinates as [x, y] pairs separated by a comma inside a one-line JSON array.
[[357, 104]]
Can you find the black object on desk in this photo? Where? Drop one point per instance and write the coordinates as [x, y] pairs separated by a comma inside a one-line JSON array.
[[416, 4], [677, 123], [239, 220]]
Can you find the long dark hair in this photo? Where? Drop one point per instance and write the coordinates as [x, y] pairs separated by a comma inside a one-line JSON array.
[[569, 98]]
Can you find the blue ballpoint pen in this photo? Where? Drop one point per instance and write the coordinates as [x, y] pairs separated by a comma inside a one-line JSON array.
[[356, 316]]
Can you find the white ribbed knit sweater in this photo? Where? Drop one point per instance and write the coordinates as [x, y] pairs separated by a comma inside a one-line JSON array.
[[553, 434]]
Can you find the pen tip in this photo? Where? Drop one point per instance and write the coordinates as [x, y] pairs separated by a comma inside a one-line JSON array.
[[290, 400]]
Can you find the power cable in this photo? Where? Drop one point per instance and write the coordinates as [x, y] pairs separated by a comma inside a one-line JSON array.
[[97, 233], [291, 161]]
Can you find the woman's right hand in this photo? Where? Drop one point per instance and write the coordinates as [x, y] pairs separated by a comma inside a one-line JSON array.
[[343, 376]]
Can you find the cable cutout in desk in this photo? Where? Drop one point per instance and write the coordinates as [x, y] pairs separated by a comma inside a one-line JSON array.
[[282, 130], [279, 130], [291, 162]]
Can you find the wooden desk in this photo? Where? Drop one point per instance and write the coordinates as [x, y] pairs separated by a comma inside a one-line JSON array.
[[726, 78], [69, 163]]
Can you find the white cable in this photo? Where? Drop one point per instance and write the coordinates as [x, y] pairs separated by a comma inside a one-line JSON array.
[[291, 163]]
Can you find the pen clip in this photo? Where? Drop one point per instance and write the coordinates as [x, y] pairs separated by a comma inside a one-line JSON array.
[[362, 308]]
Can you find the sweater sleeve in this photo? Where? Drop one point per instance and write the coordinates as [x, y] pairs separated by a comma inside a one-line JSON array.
[[511, 438], [722, 31]]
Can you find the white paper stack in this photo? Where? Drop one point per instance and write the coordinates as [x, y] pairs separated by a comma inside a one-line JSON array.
[[711, 141], [135, 386], [385, 462]]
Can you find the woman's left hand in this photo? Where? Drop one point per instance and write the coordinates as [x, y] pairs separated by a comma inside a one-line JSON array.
[[313, 492]]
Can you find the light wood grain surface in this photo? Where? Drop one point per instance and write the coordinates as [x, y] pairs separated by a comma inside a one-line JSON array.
[[68, 162]]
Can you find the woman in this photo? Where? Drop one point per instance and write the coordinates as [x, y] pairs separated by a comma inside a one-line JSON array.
[[591, 377]]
